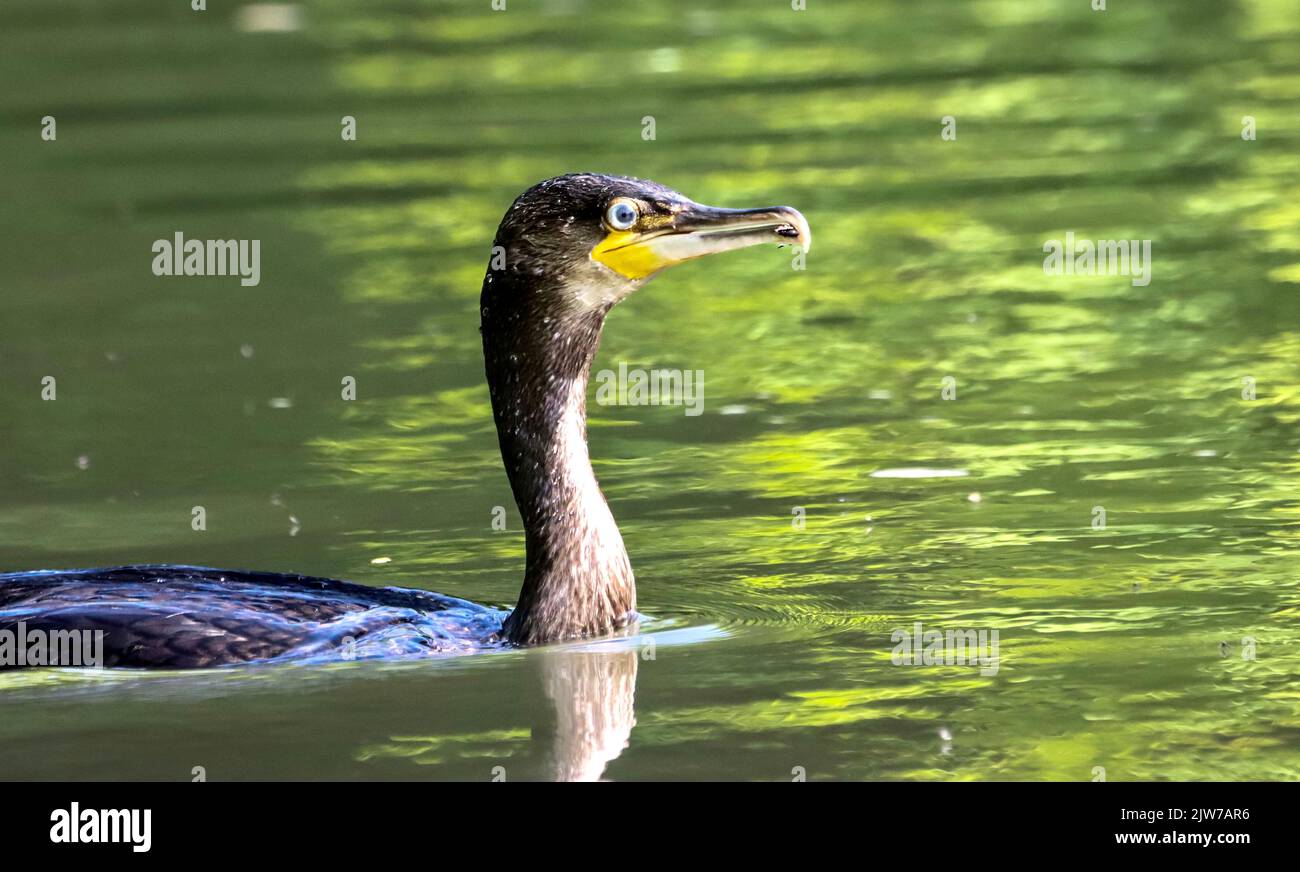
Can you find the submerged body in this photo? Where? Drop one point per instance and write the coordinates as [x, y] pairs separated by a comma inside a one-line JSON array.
[[566, 252], [187, 617]]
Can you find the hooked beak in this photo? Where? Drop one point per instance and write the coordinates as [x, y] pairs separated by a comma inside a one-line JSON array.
[[697, 231]]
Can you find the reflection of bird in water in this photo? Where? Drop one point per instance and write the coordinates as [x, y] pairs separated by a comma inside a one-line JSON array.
[[593, 691], [565, 253]]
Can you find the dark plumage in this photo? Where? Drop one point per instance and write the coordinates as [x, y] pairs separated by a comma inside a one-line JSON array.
[[190, 617], [567, 250]]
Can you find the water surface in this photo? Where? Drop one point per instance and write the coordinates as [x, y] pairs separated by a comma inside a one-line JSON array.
[[770, 650]]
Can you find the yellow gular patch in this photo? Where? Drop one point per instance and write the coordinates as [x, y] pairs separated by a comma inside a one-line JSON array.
[[621, 252]]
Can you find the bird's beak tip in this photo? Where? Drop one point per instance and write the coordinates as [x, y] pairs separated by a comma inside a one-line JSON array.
[[796, 229]]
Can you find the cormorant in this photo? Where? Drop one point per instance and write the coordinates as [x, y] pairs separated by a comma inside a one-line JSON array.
[[567, 251]]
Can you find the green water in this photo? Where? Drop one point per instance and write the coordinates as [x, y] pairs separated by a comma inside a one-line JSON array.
[[1126, 647]]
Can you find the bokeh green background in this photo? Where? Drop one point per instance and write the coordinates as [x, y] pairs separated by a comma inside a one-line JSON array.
[[1121, 648]]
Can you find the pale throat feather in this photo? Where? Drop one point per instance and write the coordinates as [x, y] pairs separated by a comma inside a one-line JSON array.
[[602, 544]]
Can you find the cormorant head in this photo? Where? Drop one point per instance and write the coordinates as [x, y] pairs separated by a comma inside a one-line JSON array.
[[588, 240]]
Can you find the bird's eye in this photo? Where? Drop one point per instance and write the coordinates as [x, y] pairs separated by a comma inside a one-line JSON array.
[[621, 214]]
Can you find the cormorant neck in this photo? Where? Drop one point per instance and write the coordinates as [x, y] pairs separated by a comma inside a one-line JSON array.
[[538, 353]]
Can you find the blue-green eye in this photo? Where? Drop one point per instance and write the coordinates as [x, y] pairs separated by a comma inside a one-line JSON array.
[[621, 214]]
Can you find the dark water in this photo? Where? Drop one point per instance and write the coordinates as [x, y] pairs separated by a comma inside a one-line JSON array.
[[1160, 646]]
